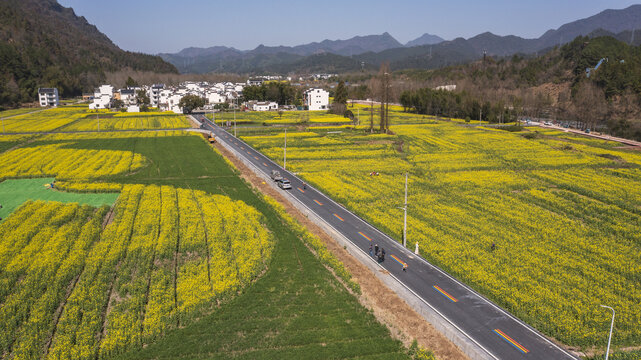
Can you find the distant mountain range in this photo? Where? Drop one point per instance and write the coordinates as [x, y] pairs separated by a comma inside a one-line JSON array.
[[426, 52], [425, 39]]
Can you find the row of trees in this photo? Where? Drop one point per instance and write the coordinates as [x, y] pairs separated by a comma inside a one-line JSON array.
[[281, 92], [460, 105]]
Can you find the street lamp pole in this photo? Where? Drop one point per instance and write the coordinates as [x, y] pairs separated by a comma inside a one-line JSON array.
[[235, 116], [404, 208], [285, 152], [607, 352], [405, 215]]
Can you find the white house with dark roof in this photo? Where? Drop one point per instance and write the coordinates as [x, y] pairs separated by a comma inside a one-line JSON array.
[[316, 99], [48, 97], [265, 106], [154, 94], [128, 96]]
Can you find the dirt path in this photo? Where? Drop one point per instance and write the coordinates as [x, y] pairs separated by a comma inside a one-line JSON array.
[[404, 323]]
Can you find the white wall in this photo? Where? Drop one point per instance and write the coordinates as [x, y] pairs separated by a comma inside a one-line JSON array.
[[317, 99]]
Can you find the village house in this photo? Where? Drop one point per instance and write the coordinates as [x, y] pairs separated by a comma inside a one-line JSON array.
[[316, 99], [48, 97]]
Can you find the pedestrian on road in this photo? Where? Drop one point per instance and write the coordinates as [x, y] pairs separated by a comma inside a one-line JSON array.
[[376, 249], [304, 186], [371, 252], [405, 267]]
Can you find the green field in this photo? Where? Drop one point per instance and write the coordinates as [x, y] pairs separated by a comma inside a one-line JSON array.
[[14, 193], [296, 309]]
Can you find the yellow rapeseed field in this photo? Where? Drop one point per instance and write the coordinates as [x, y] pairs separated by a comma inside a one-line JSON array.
[[168, 253], [563, 212]]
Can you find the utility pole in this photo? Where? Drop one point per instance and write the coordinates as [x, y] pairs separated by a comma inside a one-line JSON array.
[[285, 152], [98, 118], [404, 208], [235, 115], [480, 116], [405, 215], [607, 352], [371, 116]]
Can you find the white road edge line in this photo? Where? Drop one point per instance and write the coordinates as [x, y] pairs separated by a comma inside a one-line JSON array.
[[483, 298]]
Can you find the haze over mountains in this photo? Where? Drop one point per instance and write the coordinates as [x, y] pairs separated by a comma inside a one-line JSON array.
[[426, 52]]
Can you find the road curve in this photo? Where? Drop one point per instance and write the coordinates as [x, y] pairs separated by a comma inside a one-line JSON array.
[[500, 334]]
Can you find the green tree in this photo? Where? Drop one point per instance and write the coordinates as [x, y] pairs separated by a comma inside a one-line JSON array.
[[131, 82], [340, 99], [142, 98], [191, 102], [117, 104]]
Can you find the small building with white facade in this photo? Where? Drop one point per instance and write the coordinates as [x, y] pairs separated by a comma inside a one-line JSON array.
[[102, 97], [48, 97], [128, 96], [265, 106], [316, 99], [446, 87], [154, 94], [216, 98]]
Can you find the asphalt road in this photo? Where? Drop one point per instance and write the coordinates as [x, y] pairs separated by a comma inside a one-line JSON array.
[[491, 328]]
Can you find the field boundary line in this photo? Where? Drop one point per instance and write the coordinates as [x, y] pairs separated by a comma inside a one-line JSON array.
[[406, 251], [354, 247]]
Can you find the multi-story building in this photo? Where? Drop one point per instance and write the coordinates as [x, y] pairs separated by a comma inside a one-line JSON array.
[[127, 96], [102, 97], [48, 97], [154, 94], [316, 99]]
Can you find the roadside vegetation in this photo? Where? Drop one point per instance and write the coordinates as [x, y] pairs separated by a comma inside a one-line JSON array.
[[559, 208], [191, 263]]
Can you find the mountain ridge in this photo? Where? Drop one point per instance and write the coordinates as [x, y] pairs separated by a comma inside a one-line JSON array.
[[425, 39], [424, 56]]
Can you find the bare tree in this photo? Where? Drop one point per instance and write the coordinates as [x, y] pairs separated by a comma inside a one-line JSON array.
[[384, 74], [590, 106]]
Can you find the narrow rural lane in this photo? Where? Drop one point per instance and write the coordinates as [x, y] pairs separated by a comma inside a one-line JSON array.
[[491, 328]]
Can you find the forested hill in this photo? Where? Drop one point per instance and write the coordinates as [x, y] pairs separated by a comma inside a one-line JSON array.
[[44, 44], [556, 84], [619, 73]]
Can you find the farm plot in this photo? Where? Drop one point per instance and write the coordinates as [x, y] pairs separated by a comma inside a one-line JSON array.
[[170, 276], [563, 215], [46, 120], [166, 256], [129, 121]]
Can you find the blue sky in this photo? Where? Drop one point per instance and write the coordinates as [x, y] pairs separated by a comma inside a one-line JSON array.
[[154, 26]]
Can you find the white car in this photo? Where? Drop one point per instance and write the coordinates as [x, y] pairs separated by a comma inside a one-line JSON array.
[[284, 184]]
